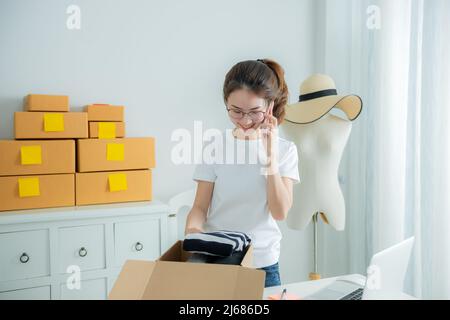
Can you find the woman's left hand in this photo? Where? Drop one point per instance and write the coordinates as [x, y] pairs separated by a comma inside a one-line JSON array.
[[269, 129]]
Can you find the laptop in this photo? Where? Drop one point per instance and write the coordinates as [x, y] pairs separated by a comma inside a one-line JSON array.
[[385, 277]]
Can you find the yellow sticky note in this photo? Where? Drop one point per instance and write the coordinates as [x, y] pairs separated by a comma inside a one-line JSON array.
[[117, 182], [53, 122], [30, 155], [115, 152], [29, 187], [106, 130]]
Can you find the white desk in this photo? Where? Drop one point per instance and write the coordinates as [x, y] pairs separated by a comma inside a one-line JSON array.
[[306, 288]]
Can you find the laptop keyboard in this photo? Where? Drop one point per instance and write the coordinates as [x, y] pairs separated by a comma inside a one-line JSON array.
[[355, 295]]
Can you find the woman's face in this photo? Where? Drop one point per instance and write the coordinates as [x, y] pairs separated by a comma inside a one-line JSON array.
[[246, 101]]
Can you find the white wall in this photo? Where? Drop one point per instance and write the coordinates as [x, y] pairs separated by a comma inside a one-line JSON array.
[[164, 60]]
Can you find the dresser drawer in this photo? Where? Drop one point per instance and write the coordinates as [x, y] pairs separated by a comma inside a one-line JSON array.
[[94, 289], [82, 246], [24, 255], [138, 240], [38, 293]]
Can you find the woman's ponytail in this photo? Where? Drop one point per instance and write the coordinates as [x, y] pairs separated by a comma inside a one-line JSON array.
[[282, 96]]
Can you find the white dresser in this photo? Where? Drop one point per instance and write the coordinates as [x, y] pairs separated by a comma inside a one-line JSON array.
[[41, 251]]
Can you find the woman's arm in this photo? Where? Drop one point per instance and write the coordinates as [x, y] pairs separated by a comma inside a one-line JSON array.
[[279, 189], [197, 216], [279, 195]]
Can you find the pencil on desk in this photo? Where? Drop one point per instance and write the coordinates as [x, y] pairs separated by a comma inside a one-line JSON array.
[[283, 294]]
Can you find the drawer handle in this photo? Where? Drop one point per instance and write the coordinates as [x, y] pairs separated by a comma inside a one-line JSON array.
[[139, 246], [82, 252], [24, 258]]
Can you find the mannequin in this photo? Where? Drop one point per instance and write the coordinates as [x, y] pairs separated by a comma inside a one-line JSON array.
[[320, 146], [320, 138]]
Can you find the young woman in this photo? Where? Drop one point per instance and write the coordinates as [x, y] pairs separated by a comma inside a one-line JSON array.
[[239, 197]]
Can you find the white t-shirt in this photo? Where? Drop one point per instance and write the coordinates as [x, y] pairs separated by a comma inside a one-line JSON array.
[[239, 200]]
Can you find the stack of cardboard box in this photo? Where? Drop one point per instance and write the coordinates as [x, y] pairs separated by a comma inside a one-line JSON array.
[[110, 167], [40, 173]]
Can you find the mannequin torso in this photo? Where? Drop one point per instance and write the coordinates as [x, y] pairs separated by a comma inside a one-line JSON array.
[[320, 145]]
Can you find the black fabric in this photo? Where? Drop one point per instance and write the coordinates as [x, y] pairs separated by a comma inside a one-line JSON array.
[[208, 247], [234, 259], [217, 243]]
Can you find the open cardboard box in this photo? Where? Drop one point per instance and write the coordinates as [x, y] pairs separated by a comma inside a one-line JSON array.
[[172, 278]]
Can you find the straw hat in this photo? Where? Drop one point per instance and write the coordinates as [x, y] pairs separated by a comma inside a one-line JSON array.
[[318, 96]]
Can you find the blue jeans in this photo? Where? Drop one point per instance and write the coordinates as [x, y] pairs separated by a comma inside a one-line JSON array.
[[272, 275]]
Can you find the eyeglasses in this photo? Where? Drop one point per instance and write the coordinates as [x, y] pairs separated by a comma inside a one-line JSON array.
[[254, 115]]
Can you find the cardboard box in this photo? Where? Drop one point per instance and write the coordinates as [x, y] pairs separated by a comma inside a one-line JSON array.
[[24, 157], [42, 191], [104, 112], [172, 278], [44, 102], [115, 154], [50, 125], [94, 128], [110, 187]]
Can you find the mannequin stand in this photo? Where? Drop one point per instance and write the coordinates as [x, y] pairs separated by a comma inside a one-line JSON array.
[[315, 275]]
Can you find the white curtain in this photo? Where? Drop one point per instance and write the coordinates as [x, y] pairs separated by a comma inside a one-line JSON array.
[[396, 169]]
